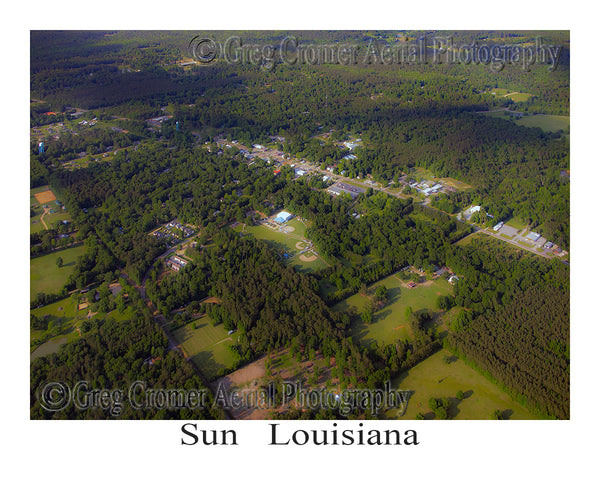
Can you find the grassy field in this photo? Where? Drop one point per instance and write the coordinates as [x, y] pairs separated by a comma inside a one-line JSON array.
[[64, 312], [285, 243], [548, 123], [206, 346], [516, 223], [46, 277], [422, 174], [389, 324], [50, 219], [519, 97], [434, 377], [514, 96]]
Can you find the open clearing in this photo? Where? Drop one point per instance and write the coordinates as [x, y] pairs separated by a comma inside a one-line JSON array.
[[39, 197], [45, 196], [46, 277], [206, 346], [434, 377], [389, 324], [422, 174], [64, 312], [514, 96], [290, 242], [548, 123]]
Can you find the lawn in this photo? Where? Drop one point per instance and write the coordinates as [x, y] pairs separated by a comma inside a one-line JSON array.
[[46, 277], [434, 377], [389, 324], [206, 346]]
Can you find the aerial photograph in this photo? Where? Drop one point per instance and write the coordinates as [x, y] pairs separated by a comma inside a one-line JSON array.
[[340, 225]]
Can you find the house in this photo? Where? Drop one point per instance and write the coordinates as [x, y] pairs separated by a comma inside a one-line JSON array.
[[412, 285], [452, 279], [440, 271]]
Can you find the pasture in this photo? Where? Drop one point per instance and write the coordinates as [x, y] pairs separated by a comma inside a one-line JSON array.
[[442, 375], [389, 324], [206, 346], [46, 277]]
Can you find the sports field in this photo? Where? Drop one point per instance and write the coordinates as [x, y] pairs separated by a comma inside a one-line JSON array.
[[389, 324], [46, 277], [40, 197], [290, 242], [434, 377], [206, 346]]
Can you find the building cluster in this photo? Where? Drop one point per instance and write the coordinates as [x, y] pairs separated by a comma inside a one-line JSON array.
[[169, 233], [176, 263], [427, 188], [341, 187]]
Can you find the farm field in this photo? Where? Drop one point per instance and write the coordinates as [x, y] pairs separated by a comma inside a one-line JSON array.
[[434, 377], [206, 346], [46, 277], [389, 324]]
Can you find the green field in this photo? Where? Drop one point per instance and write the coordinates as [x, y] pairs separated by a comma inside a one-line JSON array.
[[516, 223], [46, 277], [35, 225], [514, 96], [389, 324], [434, 377], [499, 91], [285, 243], [519, 97], [63, 312], [206, 346], [548, 123]]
